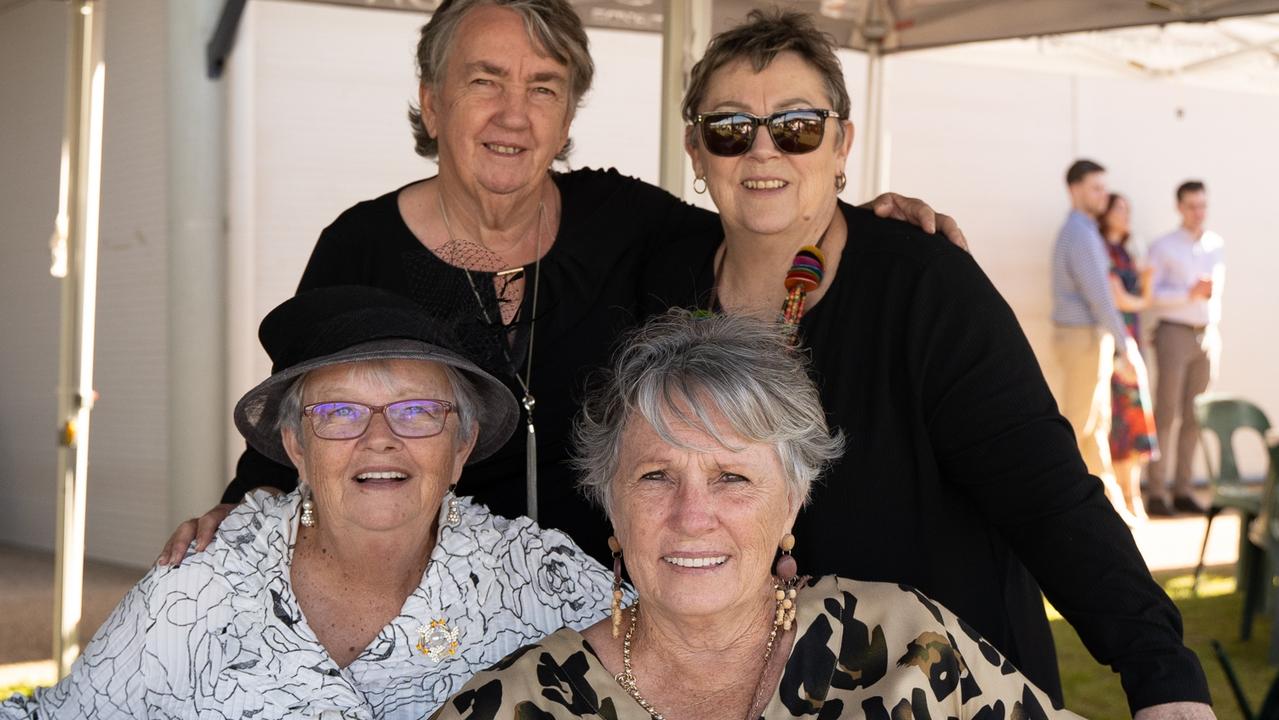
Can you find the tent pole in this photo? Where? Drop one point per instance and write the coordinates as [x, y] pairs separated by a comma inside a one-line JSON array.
[[686, 28], [873, 134], [75, 250]]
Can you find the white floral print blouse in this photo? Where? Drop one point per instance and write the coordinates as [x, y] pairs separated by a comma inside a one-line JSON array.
[[221, 636]]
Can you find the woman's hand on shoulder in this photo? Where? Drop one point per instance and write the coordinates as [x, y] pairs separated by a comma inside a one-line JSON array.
[[200, 529], [918, 213]]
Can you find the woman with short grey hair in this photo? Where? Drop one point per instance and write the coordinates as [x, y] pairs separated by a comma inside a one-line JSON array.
[[714, 372], [701, 441]]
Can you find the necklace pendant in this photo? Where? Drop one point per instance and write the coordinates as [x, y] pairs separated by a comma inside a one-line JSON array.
[[437, 640]]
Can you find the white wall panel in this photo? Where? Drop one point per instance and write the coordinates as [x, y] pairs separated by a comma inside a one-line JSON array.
[[127, 467], [32, 81]]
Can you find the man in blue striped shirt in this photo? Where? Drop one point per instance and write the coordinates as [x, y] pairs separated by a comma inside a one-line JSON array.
[[1090, 337]]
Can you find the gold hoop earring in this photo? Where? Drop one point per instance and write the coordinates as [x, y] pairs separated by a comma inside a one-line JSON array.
[[699, 190], [841, 180]]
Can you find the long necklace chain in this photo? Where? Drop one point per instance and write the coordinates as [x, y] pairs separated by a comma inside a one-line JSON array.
[[626, 678], [528, 401]]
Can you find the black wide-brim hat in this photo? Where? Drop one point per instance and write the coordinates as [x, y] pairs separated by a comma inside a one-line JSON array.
[[353, 323]]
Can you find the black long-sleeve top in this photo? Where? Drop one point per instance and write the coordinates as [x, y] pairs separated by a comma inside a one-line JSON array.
[[961, 478]]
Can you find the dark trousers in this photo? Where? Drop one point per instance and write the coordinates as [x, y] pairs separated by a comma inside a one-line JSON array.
[[1183, 355]]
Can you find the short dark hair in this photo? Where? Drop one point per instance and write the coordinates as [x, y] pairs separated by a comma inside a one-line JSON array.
[[1081, 169], [1190, 186], [758, 40]]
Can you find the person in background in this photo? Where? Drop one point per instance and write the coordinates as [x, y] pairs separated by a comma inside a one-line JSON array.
[[1090, 337], [1132, 426], [1189, 272]]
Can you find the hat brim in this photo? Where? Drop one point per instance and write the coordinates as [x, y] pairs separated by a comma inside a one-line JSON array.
[[496, 414]]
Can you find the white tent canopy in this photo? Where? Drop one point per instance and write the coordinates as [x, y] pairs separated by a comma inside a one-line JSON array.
[[910, 24]]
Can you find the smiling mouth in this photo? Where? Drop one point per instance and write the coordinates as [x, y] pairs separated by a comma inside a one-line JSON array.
[[383, 476], [764, 184], [699, 562], [504, 149]]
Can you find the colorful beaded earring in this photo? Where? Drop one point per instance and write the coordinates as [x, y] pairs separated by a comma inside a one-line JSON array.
[[786, 571], [616, 547], [805, 276]]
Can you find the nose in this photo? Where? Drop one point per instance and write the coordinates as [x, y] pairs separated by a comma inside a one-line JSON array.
[[379, 437], [693, 511], [513, 112], [763, 145]]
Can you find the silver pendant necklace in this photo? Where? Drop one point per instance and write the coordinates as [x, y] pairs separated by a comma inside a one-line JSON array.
[[530, 455]]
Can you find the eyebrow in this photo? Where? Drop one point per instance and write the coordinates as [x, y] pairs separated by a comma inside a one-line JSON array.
[[787, 103], [490, 69], [487, 67]]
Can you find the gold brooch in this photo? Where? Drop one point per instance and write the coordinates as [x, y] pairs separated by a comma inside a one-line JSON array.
[[437, 640]]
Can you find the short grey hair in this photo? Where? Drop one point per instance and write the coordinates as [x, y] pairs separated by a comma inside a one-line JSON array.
[[742, 368], [758, 40], [552, 25], [465, 397]]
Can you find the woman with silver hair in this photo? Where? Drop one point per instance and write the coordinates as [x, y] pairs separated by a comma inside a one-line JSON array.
[[701, 444], [371, 591]]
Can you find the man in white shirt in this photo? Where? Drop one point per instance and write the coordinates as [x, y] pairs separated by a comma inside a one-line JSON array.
[[1189, 271]]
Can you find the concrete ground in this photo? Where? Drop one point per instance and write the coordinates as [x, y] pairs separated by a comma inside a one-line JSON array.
[[26, 588]]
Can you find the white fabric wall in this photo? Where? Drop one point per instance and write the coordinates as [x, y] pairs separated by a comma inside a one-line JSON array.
[[128, 460]]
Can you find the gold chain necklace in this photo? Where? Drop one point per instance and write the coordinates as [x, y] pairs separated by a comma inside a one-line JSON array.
[[530, 454], [626, 678]]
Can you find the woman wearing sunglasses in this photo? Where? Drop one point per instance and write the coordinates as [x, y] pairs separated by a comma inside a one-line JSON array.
[[959, 478]]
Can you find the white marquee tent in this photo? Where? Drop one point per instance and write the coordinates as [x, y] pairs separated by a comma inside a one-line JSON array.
[[877, 27]]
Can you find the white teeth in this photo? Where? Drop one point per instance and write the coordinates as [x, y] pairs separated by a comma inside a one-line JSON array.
[[764, 184], [697, 562], [385, 475], [503, 149]]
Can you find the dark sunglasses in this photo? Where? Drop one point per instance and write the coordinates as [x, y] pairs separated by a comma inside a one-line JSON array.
[[728, 134], [349, 420]]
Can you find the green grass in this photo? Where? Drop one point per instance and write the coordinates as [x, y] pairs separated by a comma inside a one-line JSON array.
[[1095, 693], [8, 690]]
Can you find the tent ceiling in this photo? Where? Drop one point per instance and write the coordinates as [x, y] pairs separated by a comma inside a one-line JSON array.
[[915, 24]]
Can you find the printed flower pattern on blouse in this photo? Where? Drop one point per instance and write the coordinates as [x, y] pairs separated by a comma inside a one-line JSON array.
[[222, 635]]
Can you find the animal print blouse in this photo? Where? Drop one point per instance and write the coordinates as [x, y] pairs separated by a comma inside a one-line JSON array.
[[862, 650]]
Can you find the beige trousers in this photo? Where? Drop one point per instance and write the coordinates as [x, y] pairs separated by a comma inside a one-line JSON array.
[[1087, 357], [1185, 358]]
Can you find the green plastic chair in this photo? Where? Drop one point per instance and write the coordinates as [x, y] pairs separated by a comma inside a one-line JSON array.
[[1267, 567], [1269, 707], [1222, 415]]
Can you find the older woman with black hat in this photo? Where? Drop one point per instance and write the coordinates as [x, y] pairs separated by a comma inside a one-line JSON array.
[[373, 590]]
